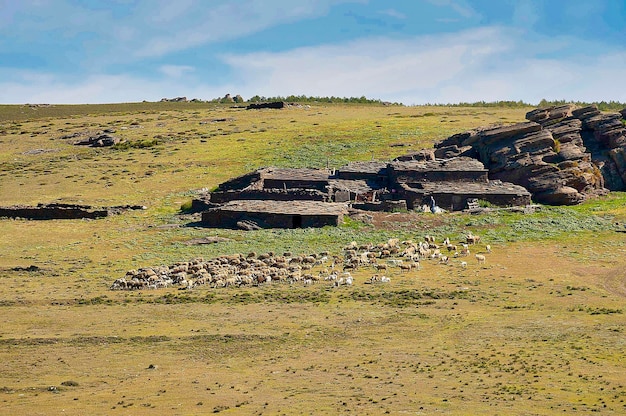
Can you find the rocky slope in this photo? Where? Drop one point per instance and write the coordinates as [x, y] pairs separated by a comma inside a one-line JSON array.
[[562, 155]]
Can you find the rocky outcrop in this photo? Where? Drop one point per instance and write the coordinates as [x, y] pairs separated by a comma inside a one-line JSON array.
[[425, 154], [562, 155], [174, 100], [99, 140], [274, 105]]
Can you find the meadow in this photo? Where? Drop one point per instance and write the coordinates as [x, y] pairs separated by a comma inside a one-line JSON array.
[[538, 329]]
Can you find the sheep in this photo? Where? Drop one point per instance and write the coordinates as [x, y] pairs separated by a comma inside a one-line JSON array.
[[463, 264], [373, 279], [488, 248], [385, 279], [480, 258], [119, 284], [472, 239], [352, 246]]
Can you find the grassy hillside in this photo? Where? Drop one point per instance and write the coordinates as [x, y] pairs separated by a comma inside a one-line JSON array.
[[538, 329]]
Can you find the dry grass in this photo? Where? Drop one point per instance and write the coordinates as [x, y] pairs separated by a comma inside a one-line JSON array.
[[538, 329]]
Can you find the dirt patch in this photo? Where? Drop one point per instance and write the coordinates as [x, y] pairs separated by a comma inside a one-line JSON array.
[[399, 220], [613, 281]]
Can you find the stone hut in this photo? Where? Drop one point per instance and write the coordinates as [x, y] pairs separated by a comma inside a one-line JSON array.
[[274, 214]]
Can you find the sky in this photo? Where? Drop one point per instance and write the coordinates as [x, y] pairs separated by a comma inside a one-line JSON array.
[[407, 51]]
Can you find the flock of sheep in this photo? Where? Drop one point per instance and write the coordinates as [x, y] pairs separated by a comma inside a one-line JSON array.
[[259, 269]]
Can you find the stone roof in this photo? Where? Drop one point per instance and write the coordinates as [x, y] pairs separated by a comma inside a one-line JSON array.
[[285, 207], [372, 167], [441, 165], [491, 187], [357, 186], [296, 174]]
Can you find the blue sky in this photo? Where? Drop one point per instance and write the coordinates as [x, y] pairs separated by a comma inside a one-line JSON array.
[[409, 51]]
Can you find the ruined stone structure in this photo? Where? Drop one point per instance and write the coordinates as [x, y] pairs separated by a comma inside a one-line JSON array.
[[63, 211], [248, 214], [293, 198]]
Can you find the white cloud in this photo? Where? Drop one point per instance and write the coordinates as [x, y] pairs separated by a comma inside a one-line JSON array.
[[487, 64], [375, 67], [47, 88], [231, 20], [148, 28], [176, 71]]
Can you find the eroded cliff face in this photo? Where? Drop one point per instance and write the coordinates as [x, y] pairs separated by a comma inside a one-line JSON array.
[[562, 155]]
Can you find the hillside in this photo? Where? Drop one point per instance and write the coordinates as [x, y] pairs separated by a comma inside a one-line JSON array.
[[536, 329]]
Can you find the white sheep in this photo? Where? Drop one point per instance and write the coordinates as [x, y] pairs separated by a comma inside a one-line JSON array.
[[480, 258]]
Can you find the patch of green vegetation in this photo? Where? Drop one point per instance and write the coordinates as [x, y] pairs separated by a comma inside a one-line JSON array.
[[546, 223], [279, 296], [352, 224], [137, 144], [98, 300], [186, 206], [178, 298], [596, 311], [404, 298]]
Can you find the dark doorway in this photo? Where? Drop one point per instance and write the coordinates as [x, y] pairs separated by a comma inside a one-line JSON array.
[[296, 221]]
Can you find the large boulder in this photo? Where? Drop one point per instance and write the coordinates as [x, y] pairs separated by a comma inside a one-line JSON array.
[[449, 152], [99, 140], [550, 115], [561, 195], [421, 155]]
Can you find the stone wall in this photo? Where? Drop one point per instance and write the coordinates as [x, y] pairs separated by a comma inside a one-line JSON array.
[[269, 194], [62, 211], [224, 218]]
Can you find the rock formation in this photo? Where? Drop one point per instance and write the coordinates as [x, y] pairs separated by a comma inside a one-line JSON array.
[[99, 140], [562, 155]]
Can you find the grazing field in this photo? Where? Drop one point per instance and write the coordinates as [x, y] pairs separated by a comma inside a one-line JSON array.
[[539, 328]]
